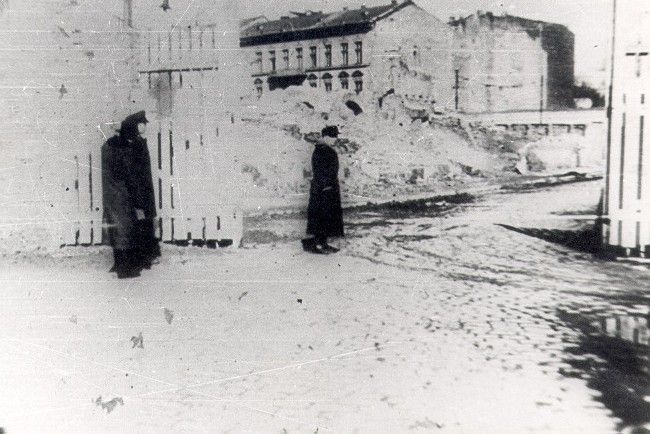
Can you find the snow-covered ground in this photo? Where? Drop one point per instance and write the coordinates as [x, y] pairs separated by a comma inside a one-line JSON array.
[[425, 321]]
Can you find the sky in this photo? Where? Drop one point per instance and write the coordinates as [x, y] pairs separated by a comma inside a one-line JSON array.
[[589, 20]]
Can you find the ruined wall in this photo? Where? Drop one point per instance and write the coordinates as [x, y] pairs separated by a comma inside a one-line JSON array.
[[559, 43], [411, 54], [500, 66]]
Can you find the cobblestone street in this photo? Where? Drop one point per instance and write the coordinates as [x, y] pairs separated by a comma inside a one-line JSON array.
[[470, 318]]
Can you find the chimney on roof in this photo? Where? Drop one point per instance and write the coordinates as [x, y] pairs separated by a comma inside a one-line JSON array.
[[363, 7], [393, 2], [345, 8], [284, 17]]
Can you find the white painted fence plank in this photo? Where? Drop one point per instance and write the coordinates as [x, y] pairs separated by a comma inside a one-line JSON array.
[[97, 209]]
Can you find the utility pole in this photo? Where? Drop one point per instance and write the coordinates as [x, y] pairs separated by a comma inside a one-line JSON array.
[[541, 99], [605, 209], [541, 80], [457, 87]]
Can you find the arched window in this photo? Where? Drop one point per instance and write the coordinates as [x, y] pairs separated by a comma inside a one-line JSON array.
[[327, 81], [259, 86], [345, 79], [357, 77], [313, 80]]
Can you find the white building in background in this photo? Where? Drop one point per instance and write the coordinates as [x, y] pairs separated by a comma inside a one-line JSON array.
[[397, 46], [479, 63], [627, 190]]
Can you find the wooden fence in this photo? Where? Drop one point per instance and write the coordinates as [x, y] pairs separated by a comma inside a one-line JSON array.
[[189, 205], [191, 134], [627, 198]]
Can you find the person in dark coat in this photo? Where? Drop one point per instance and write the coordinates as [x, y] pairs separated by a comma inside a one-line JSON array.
[[324, 213], [129, 203], [147, 245]]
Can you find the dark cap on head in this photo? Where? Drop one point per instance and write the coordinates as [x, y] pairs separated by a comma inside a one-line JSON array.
[[129, 127], [330, 131]]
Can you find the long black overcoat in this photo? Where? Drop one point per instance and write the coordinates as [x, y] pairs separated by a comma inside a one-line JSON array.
[[324, 213], [118, 182], [144, 197], [127, 186]]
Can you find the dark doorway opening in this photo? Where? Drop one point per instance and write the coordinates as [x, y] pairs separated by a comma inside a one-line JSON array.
[[284, 81], [356, 108]]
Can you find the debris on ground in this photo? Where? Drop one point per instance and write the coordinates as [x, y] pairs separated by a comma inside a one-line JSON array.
[[138, 341], [109, 406], [169, 315]]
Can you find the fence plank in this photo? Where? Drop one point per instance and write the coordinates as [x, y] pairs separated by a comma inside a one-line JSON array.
[[167, 137], [85, 226], [69, 203], [96, 199], [212, 226]]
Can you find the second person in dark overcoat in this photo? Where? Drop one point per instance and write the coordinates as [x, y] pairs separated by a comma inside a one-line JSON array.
[[324, 212]]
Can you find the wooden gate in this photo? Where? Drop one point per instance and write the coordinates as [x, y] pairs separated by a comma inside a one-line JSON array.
[[191, 136], [628, 179]]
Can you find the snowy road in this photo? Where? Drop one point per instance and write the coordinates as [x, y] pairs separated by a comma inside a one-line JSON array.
[[461, 321]]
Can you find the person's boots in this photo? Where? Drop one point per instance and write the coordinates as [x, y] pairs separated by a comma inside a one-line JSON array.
[[115, 261], [127, 264], [141, 258], [330, 249], [319, 245], [308, 244]]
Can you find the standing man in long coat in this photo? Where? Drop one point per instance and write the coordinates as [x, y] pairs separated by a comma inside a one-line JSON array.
[[129, 202], [324, 213], [144, 197]]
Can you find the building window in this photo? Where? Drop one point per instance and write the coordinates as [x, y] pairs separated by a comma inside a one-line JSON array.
[[345, 80], [313, 56], [258, 61], [299, 57], [327, 81], [358, 49], [285, 58], [328, 55], [313, 80], [344, 53], [259, 86], [357, 77], [272, 60]]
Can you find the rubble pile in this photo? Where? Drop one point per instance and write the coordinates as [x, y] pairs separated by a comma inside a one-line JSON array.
[[540, 154], [386, 150], [553, 154]]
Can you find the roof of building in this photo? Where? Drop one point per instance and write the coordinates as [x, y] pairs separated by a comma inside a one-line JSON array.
[[525, 23], [246, 22], [310, 21]]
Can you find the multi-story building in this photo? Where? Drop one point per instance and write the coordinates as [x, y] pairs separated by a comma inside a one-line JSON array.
[[356, 50], [480, 63], [510, 63]]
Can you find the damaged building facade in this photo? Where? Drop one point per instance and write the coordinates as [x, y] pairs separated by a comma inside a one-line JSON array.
[[480, 63], [360, 50], [505, 63]]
